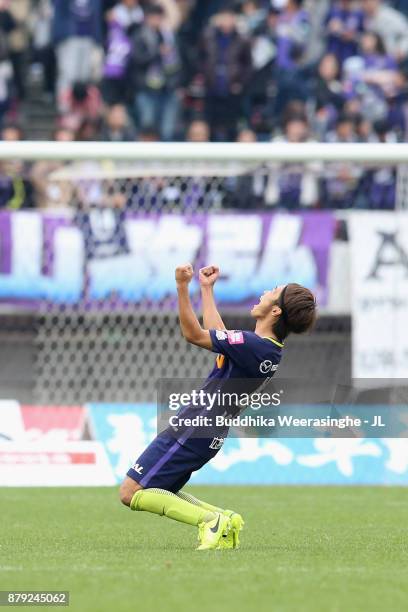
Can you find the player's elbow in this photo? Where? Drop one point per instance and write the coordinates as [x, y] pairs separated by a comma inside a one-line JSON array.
[[190, 337], [199, 338]]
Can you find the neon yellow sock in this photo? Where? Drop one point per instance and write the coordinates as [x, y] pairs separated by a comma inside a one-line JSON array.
[[198, 502], [164, 503]]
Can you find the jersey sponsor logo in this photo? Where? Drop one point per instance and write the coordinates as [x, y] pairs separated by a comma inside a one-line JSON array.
[[235, 337], [268, 366], [220, 335], [220, 361], [138, 468], [216, 443]]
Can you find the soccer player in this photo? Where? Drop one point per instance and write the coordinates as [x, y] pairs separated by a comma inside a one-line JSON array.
[[154, 483]]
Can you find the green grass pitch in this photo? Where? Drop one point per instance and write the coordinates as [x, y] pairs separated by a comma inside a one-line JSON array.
[[304, 548]]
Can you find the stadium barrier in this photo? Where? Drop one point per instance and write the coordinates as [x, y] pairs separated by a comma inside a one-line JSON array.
[[46, 446]]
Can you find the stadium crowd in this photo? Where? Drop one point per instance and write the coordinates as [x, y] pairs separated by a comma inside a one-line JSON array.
[[248, 70]]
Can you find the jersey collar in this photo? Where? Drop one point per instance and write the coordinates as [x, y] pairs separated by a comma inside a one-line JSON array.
[[280, 344]]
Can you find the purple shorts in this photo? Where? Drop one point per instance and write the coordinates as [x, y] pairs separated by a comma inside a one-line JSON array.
[[166, 464]]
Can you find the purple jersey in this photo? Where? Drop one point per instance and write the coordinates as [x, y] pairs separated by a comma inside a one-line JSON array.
[[379, 62], [381, 188], [292, 37], [290, 185], [352, 21], [245, 360], [117, 52], [82, 12]]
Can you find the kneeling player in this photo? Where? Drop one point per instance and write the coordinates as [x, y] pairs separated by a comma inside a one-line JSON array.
[[154, 483]]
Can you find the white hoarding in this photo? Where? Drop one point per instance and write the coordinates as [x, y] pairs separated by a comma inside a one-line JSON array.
[[379, 264], [54, 465]]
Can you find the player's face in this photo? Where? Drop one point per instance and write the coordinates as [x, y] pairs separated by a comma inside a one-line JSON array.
[[267, 300]]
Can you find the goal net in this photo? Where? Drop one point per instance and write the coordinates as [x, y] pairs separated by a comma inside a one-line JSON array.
[[113, 221]]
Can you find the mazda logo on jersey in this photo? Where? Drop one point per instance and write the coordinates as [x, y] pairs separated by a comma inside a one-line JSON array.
[[267, 366]]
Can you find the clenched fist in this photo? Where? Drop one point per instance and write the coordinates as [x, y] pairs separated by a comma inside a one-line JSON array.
[[184, 274], [208, 275]]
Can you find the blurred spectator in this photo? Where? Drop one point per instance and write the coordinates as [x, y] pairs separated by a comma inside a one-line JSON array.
[[52, 191], [389, 24], [372, 77], [198, 131], [344, 130], [380, 182], [198, 191], [16, 190], [292, 34], [116, 125], [245, 191], [374, 54], [317, 41], [7, 25], [77, 34], [155, 73], [79, 104], [148, 136], [293, 185], [344, 23], [226, 64], [292, 29], [327, 95], [380, 70], [6, 74], [7, 22], [121, 20], [11, 132], [88, 130], [128, 13], [246, 135], [43, 50], [19, 42], [341, 185], [364, 130], [252, 17], [172, 13], [262, 88], [63, 135]]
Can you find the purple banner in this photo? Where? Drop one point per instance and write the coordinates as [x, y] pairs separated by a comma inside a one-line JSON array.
[[108, 259]]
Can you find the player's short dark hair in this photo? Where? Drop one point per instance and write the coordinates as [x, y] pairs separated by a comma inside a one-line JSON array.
[[298, 306]]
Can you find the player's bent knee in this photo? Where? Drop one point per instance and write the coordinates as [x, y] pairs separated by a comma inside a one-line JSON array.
[[127, 490]]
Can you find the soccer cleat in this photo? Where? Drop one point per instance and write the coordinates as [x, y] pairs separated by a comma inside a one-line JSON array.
[[211, 532], [231, 540]]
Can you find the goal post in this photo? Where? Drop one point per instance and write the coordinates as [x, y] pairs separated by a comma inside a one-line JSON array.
[[381, 153]]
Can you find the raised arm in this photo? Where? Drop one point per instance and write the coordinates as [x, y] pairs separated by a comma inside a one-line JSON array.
[[211, 316], [190, 326]]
